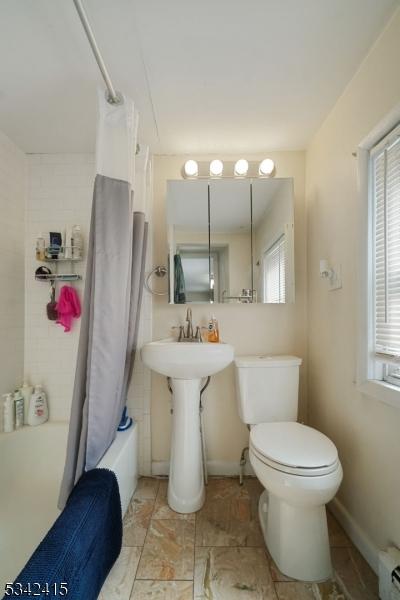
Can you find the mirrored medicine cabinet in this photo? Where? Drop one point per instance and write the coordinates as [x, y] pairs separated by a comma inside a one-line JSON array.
[[230, 241]]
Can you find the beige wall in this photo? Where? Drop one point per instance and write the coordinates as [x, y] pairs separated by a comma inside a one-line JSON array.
[[366, 431], [250, 328]]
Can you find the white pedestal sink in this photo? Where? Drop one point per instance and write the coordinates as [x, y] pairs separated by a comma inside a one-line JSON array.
[[186, 363]]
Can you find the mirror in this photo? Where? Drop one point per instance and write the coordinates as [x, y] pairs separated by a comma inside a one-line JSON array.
[[231, 240]]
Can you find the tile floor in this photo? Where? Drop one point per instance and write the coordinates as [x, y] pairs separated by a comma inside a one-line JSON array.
[[218, 553]]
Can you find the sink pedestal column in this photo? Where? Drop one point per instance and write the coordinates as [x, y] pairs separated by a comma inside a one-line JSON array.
[[186, 492]]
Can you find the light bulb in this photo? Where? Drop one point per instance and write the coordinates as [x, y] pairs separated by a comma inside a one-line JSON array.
[[241, 167], [216, 167], [266, 167], [191, 168]]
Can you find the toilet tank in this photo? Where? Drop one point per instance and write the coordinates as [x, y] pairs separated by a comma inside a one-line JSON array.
[[267, 388]]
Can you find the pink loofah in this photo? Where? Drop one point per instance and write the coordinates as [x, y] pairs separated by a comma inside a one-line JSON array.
[[68, 307]]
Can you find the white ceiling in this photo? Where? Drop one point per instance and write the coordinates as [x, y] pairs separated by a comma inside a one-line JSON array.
[[207, 75]]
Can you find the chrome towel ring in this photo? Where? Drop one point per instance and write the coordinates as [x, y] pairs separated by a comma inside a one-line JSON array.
[[160, 271]]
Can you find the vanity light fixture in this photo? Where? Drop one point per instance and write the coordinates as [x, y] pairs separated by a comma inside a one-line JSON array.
[[266, 167], [216, 168], [241, 167], [191, 168]]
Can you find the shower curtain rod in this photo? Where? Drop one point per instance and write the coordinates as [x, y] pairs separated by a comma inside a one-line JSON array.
[[113, 97]]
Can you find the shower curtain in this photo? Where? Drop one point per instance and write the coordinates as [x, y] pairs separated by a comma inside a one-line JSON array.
[[114, 280]]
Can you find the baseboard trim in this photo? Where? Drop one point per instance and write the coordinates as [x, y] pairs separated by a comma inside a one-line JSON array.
[[214, 468], [159, 468], [359, 538]]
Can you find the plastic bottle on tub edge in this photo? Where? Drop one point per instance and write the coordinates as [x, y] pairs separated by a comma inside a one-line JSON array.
[[8, 413], [38, 408], [26, 390], [19, 409]]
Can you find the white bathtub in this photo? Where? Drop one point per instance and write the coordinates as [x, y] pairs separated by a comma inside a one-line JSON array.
[[31, 467]]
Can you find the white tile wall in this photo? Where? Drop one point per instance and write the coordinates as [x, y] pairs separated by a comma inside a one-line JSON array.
[[12, 249], [60, 189]]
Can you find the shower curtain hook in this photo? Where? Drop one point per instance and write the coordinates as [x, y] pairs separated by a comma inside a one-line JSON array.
[[114, 100]]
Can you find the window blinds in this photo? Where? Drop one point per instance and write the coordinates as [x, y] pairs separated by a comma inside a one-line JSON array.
[[386, 201], [274, 272]]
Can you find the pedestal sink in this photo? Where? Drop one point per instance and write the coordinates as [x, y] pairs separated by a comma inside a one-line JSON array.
[[186, 363]]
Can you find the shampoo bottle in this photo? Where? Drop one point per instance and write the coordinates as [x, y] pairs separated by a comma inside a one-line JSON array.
[[213, 331], [40, 248], [77, 242], [8, 413], [38, 409], [68, 243], [26, 390], [19, 409]]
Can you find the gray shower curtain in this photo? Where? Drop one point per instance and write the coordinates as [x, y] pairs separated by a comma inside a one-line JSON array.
[[113, 291]]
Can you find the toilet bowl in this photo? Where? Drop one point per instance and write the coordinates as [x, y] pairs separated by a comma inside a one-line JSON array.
[[298, 466], [300, 471]]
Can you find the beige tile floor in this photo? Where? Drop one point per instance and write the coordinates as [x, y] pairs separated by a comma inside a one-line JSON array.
[[219, 553]]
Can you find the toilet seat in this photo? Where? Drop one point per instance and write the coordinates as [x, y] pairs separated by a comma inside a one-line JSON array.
[[294, 448]]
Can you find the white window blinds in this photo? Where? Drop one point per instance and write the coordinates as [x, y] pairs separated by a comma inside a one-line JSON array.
[[275, 272], [386, 202]]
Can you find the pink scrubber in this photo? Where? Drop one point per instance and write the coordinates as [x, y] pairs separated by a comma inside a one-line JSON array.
[[68, 307]]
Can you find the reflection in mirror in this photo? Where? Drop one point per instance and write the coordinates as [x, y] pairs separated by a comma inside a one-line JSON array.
[[272, 240], [188, 241], [231, 240]]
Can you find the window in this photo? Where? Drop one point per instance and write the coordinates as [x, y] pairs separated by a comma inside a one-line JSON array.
[[274, 263], [385, 204]]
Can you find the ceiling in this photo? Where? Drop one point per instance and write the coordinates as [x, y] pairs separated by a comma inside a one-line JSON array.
[[207, 76]]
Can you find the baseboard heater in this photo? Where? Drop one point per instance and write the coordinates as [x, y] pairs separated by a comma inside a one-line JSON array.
[[389, 574]]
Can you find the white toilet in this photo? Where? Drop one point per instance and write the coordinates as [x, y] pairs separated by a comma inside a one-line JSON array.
[[297, 465]]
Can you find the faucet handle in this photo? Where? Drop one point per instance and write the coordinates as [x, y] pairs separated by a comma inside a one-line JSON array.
[[198, 336], [181, 331]]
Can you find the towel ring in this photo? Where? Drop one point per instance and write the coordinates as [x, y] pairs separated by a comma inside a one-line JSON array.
[[160, 271]]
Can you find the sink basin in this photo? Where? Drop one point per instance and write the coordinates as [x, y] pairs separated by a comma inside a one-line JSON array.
[[186, 360], [186, 363]]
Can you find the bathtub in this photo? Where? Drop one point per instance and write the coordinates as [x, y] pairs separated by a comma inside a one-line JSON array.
[[31, 468]]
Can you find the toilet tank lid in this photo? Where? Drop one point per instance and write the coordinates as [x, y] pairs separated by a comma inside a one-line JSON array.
[[267, 360]]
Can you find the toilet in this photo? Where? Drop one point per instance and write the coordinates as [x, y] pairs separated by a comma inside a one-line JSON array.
[[297, 465]]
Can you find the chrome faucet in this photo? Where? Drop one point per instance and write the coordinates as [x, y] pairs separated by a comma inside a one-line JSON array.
[[187, 336]]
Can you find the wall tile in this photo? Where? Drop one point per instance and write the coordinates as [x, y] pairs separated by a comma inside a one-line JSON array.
[[12, 242]]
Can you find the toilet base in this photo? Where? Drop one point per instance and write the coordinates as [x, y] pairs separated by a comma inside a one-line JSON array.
[[296, 537]]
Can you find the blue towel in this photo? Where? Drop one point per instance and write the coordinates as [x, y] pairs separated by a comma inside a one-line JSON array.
[[83, 544]]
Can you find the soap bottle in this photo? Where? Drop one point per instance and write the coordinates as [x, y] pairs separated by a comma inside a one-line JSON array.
[[38, 408], [26, 391], [213, 331], [40, 248], [19, 409], [8, 413], [76, 242], [68, 243]]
